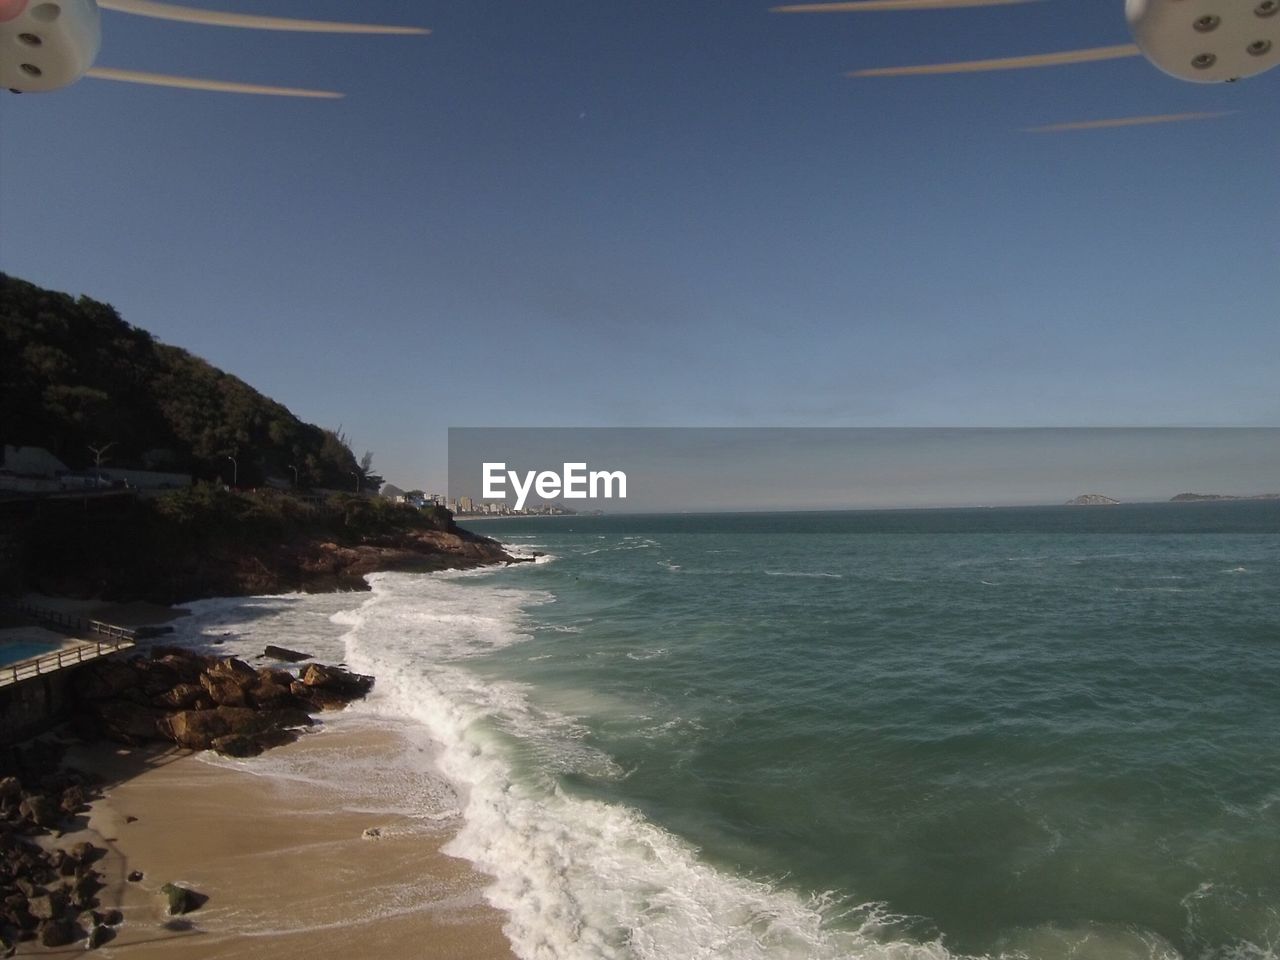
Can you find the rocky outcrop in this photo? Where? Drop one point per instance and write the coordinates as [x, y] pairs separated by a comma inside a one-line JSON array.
[[319, 565], [1091, 500], [204, 703]]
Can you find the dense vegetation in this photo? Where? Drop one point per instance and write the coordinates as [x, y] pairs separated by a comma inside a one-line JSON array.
[[206, 541], [75, 376]]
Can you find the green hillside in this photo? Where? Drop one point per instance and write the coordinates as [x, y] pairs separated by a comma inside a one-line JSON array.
[[73, 375]]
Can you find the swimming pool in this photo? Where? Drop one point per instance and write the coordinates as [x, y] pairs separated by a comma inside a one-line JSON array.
[[18, 650]]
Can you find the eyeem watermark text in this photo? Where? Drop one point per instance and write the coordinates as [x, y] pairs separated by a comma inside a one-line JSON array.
[[575, 482]]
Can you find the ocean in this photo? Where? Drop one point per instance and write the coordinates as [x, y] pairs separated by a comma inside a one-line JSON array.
[[1035, 732]]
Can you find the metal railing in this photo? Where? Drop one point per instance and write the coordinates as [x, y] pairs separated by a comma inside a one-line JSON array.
[[59, 659], [117, 638], [66, 622]]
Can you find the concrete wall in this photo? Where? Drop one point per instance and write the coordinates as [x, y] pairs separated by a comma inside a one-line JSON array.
[[33, 706]]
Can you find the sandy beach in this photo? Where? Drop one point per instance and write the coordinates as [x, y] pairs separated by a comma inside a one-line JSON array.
[[279, 844], [281, 857]]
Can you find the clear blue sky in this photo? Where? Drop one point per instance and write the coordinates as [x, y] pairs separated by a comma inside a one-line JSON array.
[[667, 213]]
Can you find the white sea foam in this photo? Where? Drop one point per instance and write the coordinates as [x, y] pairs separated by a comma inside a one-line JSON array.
[[525, 551], [802, 573], [579, 879], [647, 654]]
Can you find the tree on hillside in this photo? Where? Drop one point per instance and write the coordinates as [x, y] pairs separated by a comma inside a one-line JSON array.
[[368, 479]]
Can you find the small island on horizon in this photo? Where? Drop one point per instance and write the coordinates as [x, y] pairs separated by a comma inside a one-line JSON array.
[[1197, 497], [1098, 500]]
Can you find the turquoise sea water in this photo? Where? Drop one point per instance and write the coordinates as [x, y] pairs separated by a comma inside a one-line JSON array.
[[1016, 730], [1045, 733]]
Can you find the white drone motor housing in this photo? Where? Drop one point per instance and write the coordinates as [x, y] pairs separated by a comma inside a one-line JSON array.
[[47, 45], [1207, 41]]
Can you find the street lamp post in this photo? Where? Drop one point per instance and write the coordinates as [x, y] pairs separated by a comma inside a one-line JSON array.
[[235, 472], [98, 453], [357, 476]]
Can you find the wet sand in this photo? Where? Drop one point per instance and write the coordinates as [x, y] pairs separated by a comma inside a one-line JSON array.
[[281, 858]]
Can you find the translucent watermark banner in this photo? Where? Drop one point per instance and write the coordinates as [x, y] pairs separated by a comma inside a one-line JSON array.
[[533, 470]]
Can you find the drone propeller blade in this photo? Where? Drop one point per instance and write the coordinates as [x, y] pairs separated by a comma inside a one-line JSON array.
[[878, 6], [1127, 122], [193, 83], [171, 11], [1006, 63]]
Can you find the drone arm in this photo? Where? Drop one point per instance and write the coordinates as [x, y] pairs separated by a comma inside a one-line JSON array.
[[1005, 63], [170, 11], [195, 83]]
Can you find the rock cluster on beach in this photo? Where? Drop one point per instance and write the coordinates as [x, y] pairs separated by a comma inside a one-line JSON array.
[[47, 896], [206, 703], [174, 695]]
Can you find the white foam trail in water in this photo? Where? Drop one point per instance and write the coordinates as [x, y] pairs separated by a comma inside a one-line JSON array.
[[579, 879], [802, 573]]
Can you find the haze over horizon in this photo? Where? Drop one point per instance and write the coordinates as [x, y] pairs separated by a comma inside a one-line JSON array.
[[663, 214], [752, 469]]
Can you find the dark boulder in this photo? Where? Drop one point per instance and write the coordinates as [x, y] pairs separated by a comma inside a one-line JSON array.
[[281, 678], [273, 696], [128, 721], [98, 935], [48, 906], [57, 933], [84, 852], [224, 691], [194, 729], [317, 698], [156, 677], [197, 729], [285, 654], [181, 899], [83, 890], [182, 696], [233, 669], [73, 799], [40, 810], [185, 667], [105, 678], [351, 685], [237, 745]]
